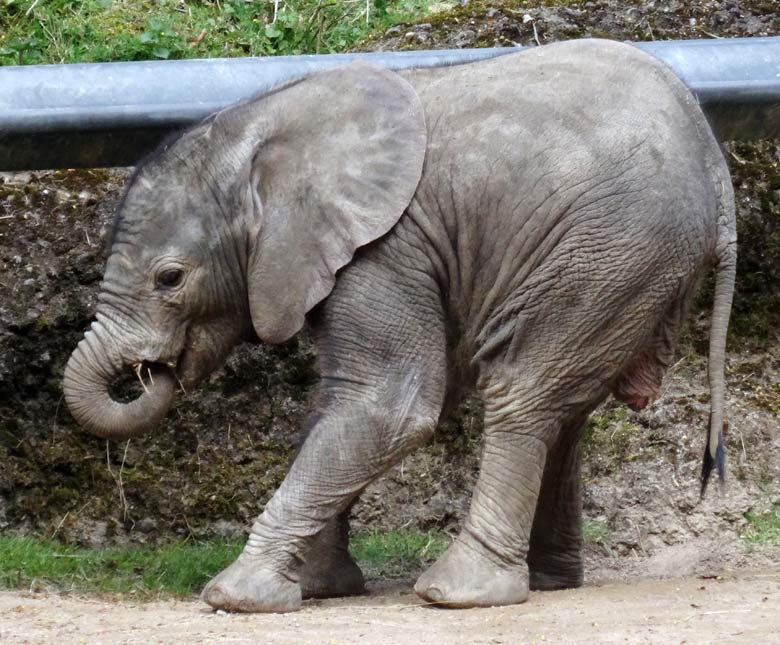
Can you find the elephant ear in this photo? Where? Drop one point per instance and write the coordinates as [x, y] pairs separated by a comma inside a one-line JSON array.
[[337, 161]]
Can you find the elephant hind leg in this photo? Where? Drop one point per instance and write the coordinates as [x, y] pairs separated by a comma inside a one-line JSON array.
[[329, 570], [555, 547]]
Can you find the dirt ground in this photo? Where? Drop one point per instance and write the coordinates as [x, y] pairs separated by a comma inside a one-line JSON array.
[[739, 608]]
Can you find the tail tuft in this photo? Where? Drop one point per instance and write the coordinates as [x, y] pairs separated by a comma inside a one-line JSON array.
[[708, 464]]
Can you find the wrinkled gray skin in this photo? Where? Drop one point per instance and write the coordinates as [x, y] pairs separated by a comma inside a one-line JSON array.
[[530, 227]]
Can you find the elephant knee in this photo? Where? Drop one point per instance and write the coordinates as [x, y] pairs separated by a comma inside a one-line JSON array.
[[407, 415], [404, 433]]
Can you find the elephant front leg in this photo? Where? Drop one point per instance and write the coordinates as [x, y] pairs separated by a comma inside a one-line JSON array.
[[486, 565], [329, 570], [555, 549], [381, 342], [341, 456]]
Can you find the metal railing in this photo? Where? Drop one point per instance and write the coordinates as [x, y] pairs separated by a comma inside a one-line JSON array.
[[111, 114]]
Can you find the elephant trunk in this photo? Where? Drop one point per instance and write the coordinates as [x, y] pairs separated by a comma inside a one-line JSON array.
[[92, 368]]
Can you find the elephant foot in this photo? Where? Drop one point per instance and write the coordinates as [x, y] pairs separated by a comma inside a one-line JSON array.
[[554, 574], [465, 577], [543, 581], [246, 586], [331, 575]]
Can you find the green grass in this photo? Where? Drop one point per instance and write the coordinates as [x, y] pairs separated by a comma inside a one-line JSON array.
[[180, 569], [64, 31], [764, 527], [397, 553]]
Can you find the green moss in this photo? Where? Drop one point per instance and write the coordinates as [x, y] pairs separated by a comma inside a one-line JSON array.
[[766, 397], [607, 439], [78, 180], [41, 324]]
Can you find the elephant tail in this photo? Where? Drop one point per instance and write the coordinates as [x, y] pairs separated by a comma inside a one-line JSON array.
[[726, 267]]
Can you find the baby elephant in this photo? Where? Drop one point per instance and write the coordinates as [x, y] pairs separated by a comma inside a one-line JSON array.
[[530, 227]]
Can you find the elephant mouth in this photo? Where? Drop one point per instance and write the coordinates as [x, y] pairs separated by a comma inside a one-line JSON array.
[[139, 379], [186, 369], [205, 348]]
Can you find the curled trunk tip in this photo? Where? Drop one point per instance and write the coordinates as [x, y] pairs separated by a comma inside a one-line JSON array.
[[88, 375]]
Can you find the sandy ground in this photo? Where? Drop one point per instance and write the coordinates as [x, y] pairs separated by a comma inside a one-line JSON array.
[[739, 608]]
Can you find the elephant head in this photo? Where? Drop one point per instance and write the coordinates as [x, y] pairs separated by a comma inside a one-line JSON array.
[[236, 229]]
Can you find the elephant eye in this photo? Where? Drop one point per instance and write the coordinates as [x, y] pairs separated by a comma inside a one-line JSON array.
[[170, 278]]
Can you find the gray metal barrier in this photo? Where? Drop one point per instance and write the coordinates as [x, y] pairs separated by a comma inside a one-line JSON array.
[[111, 114]]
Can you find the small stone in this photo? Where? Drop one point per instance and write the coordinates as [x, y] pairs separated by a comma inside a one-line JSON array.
[[146, 525], [93, 533], [464, 38], [393, 31], [227, 529]]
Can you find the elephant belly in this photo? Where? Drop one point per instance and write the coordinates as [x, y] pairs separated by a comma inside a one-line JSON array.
[[570, 196]]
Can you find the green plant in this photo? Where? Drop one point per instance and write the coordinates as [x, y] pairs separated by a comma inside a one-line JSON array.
[[764, 528], [23, 49], [104, 30], [178, 569], [159, 38], [599, 533]]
